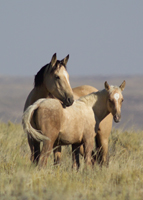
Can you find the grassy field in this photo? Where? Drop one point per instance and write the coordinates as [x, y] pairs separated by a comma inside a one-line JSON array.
[[20, 180]]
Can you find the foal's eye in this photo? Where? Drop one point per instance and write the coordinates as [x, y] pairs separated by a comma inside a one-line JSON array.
[[122, 100], [57, 77]]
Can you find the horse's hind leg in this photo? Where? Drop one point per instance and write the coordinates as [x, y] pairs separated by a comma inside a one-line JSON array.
[[57, 155], [75, 156], [46, 150], [35, 149], [30, 142]]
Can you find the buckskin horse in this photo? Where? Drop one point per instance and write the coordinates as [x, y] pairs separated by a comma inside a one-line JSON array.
[[51, 81], [46, 120]]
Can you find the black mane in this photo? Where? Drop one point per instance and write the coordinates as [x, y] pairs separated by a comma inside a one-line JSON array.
[[39, 77]]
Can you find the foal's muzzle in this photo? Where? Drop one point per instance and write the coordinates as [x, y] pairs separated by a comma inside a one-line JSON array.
[[117, 118]]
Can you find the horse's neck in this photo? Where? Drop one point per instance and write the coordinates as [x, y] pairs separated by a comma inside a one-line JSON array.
[[42, 92], [89, 99], [100, 106], [98, 102]]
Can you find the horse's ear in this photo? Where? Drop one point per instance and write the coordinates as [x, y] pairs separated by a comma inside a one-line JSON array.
[[107, 86], [65, 60], [122, 86], [54, 60]]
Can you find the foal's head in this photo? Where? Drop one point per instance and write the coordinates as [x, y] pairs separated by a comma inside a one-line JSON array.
[[115, 99], [56, 80]]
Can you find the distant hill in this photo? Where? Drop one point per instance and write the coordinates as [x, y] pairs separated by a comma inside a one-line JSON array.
[[14, 91]]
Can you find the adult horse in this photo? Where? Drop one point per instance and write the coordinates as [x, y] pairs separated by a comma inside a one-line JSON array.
[[74, 125], [52, 80]]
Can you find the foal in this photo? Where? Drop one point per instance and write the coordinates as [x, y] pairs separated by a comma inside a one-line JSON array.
[[74, 125]]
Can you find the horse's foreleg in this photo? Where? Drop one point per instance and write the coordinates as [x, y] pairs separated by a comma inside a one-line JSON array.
[[82, 153], [105, 158], [102, 150], [82, 150], [57, 155], [102, 139], [75, 156], [88, 144]]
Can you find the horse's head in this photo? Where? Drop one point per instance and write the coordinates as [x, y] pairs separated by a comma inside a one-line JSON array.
[[56, 80], [115, 99]]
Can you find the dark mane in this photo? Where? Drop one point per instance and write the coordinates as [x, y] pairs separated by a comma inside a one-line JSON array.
[[39, 77]]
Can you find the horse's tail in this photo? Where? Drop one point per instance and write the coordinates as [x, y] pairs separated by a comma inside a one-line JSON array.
[[27, 116]]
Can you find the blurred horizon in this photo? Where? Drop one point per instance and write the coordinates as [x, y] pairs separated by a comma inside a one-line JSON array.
[[14, 92]]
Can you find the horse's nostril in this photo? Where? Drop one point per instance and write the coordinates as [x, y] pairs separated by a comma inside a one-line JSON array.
[[116, 118], [70, 101]]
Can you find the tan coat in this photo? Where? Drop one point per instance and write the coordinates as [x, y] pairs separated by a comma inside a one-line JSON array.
[[76, 124]]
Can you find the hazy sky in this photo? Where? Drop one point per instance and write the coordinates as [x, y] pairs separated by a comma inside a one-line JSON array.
[[102, 37]]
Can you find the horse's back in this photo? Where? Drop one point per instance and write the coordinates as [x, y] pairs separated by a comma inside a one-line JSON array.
[[35, 94], [48, 116], [83, 90]]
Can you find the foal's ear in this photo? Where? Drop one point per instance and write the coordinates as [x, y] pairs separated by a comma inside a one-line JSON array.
[[122, 86], [107, 86], [65, 60], [53, 60]]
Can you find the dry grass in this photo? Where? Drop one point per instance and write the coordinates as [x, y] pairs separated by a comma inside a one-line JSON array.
[[20, 180]]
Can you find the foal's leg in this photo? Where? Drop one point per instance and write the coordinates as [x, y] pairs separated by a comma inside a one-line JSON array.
[[82, 153], [75, 156], [82, 150], [57, 155], [46, 150], [102, 139], [102, 150], [88, 145]]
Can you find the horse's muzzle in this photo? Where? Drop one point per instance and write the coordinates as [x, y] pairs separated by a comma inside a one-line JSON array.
[[68, 101], [117, 118]]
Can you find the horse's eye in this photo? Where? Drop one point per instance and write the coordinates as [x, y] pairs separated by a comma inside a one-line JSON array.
[[57, 77], [122, 100]]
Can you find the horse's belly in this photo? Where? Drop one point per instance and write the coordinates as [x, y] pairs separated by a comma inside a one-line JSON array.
[[73, 125], [70, 137]]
